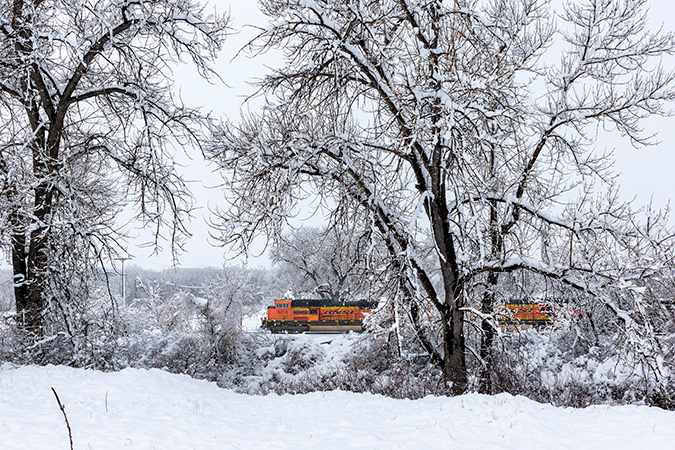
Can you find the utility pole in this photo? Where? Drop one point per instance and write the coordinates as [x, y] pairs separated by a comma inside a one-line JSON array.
[[124, 280]]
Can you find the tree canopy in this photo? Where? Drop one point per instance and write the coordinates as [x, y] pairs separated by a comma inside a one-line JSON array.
[[89, 123], [464, 135]]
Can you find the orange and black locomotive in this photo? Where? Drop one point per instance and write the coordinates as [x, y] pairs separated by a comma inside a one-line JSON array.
[[297, 316]]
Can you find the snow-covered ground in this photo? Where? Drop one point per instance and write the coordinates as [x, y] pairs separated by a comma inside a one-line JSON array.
[[151, 409]]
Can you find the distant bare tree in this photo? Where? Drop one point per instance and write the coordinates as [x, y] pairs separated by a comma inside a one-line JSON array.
[[470, 125], [332, 262], [89, 123]]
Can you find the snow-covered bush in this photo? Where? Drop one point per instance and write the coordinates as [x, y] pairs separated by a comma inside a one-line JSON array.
[[163, 326], [550, 367], [352, 362]]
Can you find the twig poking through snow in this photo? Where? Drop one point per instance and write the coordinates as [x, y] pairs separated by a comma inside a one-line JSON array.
[[63, 410]]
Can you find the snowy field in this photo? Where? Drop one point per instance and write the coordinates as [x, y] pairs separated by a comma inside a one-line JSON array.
[[157, 410]]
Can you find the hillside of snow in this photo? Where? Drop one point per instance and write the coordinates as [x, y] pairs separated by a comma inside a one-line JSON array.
[[151, 409]]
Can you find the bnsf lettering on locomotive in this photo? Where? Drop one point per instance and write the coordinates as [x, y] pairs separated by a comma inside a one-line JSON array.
[[335, 312]]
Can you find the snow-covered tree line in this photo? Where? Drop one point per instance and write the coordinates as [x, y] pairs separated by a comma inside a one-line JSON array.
[[463, 137]]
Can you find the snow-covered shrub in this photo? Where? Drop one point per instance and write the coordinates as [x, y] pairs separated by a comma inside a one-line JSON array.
[[176, 352], [353, 362], [550, 366], [302, 354], [84, 338]]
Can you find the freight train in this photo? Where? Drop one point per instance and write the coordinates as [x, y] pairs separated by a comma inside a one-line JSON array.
[[327, 316], [323, 316]]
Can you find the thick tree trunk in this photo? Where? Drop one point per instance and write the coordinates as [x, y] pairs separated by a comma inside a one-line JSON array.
[[24, 310], [487, 338], [454, 358], [29, 249], [454, 361], [29, 269], [487, 304]]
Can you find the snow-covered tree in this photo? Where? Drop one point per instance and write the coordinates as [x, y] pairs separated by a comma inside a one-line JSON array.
[[472, 125], [90, 124]]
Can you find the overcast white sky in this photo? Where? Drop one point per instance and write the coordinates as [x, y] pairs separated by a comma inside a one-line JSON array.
[[644, 173], [224, 99]]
